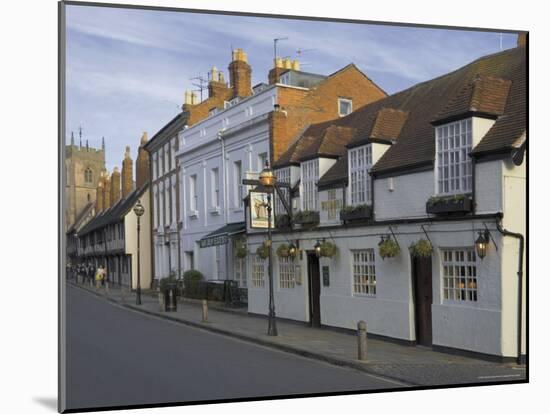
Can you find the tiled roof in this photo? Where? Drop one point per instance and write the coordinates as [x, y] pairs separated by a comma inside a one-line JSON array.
[[115, 213], [336, 175], [169, 130], [80, 217], [388, 124], [494, 85], [484, 95]]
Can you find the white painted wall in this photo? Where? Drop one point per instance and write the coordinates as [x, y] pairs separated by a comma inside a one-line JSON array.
[[130, 231], [408, 198]]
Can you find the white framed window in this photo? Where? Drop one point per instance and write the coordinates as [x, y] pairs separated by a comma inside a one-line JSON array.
[[168, 154], [239, 266], [215, 185], [345, 106], [364, 272], [174, 149], [155, 207], [283, 176], [287, 273], [258, 271], [238, 174], [285, 78], [155, 166], [218, 259], [167, 202], [333, 205], [459, 273], [262, 158], [310, 176], [360, 161], [453, 164], [193, 196]]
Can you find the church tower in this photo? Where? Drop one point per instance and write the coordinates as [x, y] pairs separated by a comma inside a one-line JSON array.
[[83, 166]]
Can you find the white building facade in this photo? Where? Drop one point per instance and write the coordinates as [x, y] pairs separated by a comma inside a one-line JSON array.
[[420, 167]]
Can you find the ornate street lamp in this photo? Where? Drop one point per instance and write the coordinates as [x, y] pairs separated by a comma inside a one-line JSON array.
[[139, 210], [292, 250], [481, 243], [269, 180]]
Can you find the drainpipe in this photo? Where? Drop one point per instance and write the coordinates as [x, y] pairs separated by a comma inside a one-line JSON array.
[[520, 237], [225, 201]]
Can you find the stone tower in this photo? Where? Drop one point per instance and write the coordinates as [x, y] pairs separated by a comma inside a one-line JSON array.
[[127, 174], [99, 197], [142, 163], [115, 186], [83, 166]]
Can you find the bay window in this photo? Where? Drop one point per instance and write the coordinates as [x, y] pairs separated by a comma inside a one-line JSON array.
[[453, 164], [360, 161], [310, 176]]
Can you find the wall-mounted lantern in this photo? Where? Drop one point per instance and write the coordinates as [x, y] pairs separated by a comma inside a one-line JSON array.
[[481, 243]]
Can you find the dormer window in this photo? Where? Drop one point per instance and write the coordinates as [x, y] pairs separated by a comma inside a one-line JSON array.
[[345, 106], [285, 78], [453, 164], [360, 161], [310, 176]]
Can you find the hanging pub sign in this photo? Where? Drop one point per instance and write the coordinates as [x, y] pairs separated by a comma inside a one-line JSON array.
[[258, 210]]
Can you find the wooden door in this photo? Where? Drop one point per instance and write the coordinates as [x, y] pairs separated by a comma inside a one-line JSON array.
[[422, 279], [314, 279]]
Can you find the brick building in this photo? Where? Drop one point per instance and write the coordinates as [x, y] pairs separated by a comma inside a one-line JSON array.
[[258, 124]]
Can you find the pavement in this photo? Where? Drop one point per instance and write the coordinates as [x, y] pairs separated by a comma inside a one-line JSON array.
[[409, 365]]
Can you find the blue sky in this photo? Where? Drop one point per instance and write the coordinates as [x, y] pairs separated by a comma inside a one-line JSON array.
[[127, 70]]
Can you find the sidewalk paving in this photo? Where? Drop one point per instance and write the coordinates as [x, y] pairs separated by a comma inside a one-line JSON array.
[[408, 365]]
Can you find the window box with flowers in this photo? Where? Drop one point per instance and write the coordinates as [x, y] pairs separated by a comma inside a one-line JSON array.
[[459, 203], [307, 218], [356, 213]]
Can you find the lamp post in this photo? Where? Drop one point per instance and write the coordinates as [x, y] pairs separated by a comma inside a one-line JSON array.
[[269, 180], [139, 210]]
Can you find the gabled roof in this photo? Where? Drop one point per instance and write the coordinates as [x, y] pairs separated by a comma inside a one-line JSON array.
[[336, 175], [319, 140], [81, 217], [115, 213], [485, 95], [493, 84]]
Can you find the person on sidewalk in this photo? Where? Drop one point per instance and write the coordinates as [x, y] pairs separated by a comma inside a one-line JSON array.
[[98, 277]]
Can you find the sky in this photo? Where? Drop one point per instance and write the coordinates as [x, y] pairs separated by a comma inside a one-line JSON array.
[[127, 69]]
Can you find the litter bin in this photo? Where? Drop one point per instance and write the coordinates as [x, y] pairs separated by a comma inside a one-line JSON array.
[[170, 298]]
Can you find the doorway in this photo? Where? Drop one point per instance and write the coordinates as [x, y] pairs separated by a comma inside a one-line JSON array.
[[423, 295], [314, 279]]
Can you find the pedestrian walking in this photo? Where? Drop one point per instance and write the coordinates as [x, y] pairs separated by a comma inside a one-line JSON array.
[[98, 277]]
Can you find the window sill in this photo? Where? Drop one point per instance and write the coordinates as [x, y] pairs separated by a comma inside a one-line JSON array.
[[193, 215], [215, 211]]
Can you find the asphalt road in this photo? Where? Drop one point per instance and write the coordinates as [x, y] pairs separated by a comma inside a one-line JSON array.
[[119, 357]]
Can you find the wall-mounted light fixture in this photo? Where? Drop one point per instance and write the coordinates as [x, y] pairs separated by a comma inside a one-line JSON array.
[[482, 242]]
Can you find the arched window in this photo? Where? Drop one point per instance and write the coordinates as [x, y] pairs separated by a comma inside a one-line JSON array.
[[88, 175]]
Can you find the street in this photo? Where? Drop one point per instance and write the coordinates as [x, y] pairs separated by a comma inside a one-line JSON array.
[[119, 357]]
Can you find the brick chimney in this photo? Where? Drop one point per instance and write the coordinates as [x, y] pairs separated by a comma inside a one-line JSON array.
[[99, 196], [522, 39], [127, 173], [240, 74], [106, 191], [281, 65], [115, 186], [217, 85], [142, 163]]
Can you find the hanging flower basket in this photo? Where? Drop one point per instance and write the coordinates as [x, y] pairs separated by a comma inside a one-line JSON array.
[[388, 248], [328, 249], [283, 250], [422, 248], [240, 250], [262, 251]]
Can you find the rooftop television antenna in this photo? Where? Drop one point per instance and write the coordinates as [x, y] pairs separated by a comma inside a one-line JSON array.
[[200, 82], [275, 41]]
